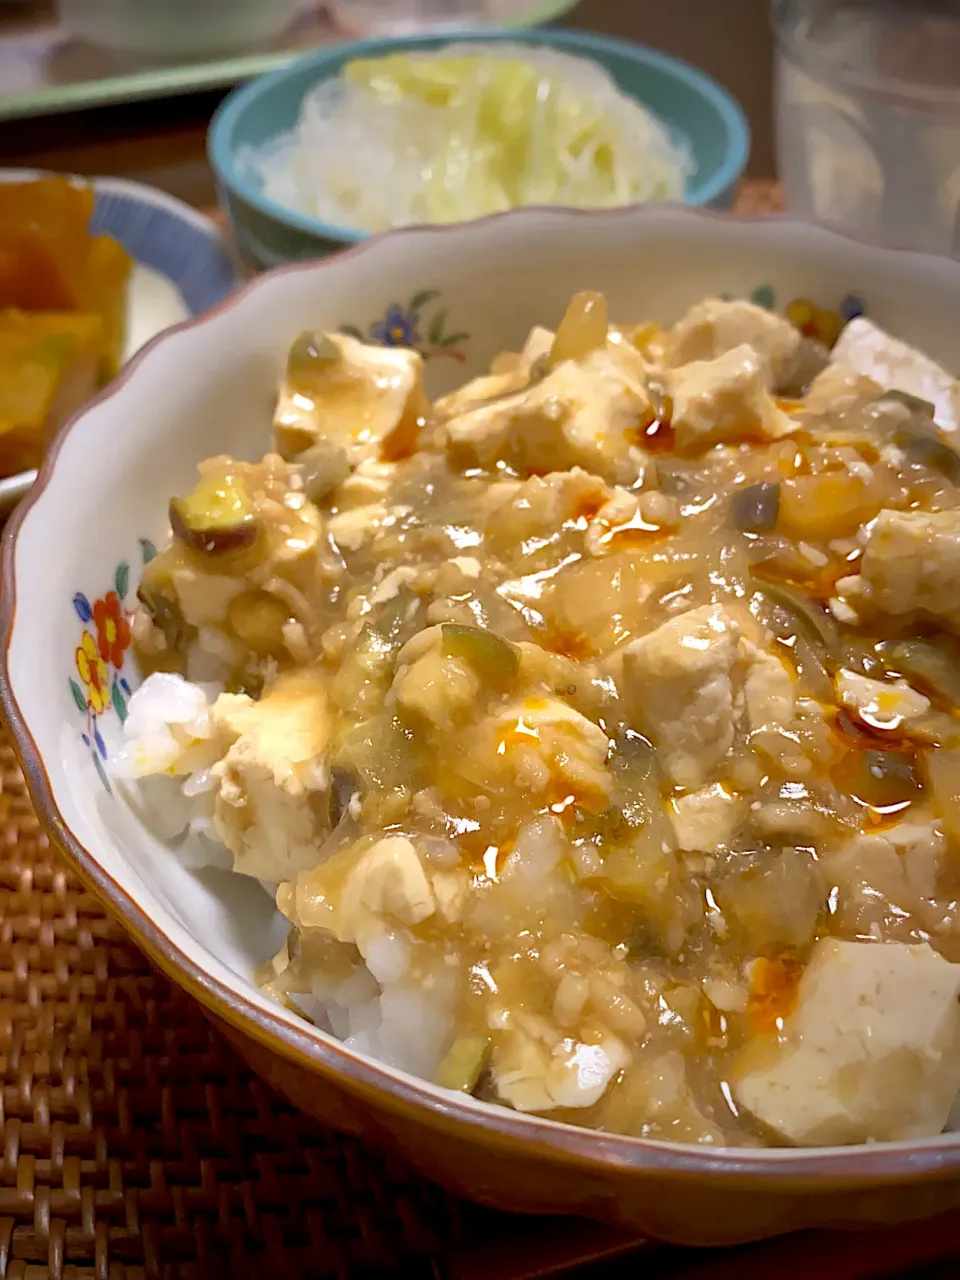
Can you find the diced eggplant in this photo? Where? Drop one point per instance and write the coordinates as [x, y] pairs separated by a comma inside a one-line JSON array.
[[925, 449], [917, 406], [247, 682], [325, 466], [809, 359], [396, 620], [932, 664], [634, 756], [165, 614], [756, 508], [818, 626], [882, 780], [378, 752], [216, 518], [638, 783], [494, 659]]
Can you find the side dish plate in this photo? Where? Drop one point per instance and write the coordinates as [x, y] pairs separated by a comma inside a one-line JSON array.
[[182, 268]]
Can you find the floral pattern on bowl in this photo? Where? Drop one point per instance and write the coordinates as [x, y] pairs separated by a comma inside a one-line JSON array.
[[403, 326], [421, 324], [98, 684], [813, 320]]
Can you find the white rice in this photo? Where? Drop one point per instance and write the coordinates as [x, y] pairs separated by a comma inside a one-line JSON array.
[[395, 1003], [390, 1006], [168, 728], [356, 162]]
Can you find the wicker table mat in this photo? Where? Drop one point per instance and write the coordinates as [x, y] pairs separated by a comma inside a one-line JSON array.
[[135, 1143]]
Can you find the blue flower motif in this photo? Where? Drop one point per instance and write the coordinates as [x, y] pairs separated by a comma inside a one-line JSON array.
[[851, 307], [398, 328]]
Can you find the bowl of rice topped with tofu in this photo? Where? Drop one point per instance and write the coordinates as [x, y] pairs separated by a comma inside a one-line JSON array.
[[529, 719]]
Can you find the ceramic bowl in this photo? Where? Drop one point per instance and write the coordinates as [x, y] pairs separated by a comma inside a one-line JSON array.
[[694, 107], [75, 548]]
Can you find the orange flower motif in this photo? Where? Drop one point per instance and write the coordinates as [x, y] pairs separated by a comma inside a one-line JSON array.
[[815, 322], [113, 629], [93, 672]]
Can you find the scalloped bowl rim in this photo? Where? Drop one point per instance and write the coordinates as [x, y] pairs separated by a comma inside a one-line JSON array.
[[298, 1041], [221, 149]]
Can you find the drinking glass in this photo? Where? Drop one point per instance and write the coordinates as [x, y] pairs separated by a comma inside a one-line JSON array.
[[868, 116]]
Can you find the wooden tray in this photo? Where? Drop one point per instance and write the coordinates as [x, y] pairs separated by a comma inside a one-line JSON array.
[[43, 69]]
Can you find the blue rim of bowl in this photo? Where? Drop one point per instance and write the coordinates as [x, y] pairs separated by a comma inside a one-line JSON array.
[[220, 148], [162, 233]]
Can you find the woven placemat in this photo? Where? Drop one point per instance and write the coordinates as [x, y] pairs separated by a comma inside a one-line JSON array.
[[135, 1143]]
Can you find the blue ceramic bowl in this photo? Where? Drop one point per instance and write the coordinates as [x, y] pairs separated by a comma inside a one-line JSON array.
[[694, 107]]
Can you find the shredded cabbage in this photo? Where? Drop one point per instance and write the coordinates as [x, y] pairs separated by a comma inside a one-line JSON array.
[[464, 132]]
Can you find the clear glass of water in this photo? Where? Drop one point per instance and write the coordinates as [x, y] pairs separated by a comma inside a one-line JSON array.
[[406, 17], [868, 116]]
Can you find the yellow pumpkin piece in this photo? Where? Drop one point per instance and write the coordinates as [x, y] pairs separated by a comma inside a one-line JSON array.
[[85, 327], [48, 369], [105, 293], [44, 235], [50, 262]]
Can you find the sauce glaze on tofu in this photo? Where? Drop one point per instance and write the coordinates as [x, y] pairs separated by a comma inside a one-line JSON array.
[[596, 725]]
